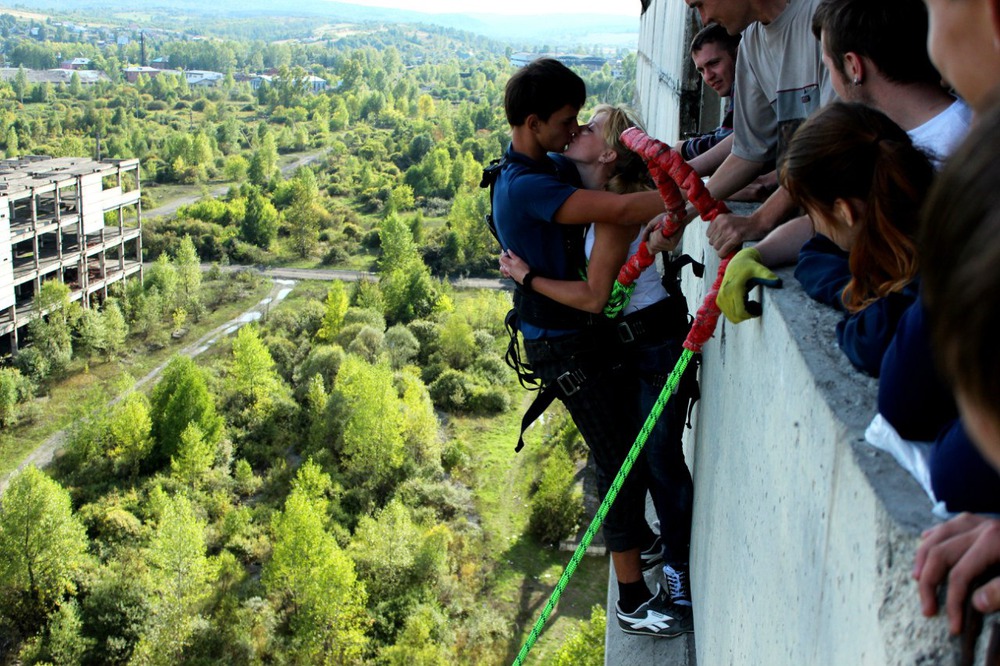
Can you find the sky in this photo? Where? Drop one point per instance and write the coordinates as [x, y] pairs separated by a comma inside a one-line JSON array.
[[512, 7]]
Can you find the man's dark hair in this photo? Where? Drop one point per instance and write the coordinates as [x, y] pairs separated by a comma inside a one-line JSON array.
[[890, 33], [542, 87], [960, 264], [713, 33]]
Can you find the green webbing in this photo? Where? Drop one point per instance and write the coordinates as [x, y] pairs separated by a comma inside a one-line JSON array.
[[668, 390], [619, 298]]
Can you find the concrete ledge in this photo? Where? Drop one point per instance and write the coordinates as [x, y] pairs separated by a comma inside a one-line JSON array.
[[804, 535]]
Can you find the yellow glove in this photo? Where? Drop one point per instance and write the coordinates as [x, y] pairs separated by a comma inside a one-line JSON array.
[[745, 270]]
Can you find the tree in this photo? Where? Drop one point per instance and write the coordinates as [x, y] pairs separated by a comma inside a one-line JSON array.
[[314, 580], [115, 329], [585, 646], [333, 316], [420, 425], [14, 389], [43, 546], [75, 86], [422, 641], [162, 276], [52, 334], [66, 643], [194, 457], [456, 342], [235, 168], [20, 83], [254, 379], [129, 439], [90, 333], [179, 577], [402, 345], [406, 283], [368, 423], [11, 143], [466, 219], [303, 215], [264, 161], [384, 549], [188, 276], [557, 505], [181, 397], [260, 224]]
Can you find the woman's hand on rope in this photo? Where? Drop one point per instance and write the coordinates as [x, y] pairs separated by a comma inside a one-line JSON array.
[[513, 266], [745, 271]]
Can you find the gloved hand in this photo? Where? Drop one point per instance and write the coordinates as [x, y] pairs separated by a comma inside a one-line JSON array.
[[745, 270]]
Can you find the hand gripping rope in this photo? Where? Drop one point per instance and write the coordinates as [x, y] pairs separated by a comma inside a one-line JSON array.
[[670, 172]]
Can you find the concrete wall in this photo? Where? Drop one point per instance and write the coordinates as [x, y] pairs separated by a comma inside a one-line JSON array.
[[667, 87], [804, 536]]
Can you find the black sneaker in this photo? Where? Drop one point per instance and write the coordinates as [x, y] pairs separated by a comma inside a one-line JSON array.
[[677, 584], [657, 617], [652, 555]]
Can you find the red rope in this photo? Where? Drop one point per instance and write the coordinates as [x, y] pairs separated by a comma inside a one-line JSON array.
[[665, 164]]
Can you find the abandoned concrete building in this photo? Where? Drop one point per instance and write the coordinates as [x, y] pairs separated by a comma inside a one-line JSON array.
[[71, 219]]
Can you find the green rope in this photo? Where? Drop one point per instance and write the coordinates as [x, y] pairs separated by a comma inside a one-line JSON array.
[[668, 390], [619, 298]]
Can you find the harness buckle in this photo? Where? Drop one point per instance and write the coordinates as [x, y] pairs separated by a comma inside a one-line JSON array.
[[570, 382], [625, 333]]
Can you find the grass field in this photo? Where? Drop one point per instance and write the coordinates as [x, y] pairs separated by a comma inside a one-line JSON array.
[[526, 573]]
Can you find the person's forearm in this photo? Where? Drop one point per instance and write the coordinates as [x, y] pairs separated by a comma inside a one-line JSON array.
[[576, 294], [782, 245], [709, 161], [777, 209], [733, 175], [590, 206]]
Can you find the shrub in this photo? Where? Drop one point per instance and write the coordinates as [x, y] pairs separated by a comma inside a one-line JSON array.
[[492, 400], [451, 390], [557, 506]]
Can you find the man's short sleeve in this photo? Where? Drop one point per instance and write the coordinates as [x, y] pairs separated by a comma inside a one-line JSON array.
[[754, 122], [540, 195]]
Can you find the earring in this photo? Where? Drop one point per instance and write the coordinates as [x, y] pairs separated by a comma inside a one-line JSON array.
[[856, 81]]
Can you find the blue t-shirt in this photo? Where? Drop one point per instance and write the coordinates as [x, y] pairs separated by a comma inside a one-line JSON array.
[[526, 197]]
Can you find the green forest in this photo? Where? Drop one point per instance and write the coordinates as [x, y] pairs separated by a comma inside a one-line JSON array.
[[335, 482]]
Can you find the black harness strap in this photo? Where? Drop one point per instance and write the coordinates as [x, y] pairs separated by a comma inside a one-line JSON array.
[[539, 310]]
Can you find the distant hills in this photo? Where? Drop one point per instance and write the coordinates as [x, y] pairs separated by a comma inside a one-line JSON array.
[[553, 29]]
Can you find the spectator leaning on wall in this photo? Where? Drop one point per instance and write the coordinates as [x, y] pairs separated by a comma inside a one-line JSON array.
[[780, 80]]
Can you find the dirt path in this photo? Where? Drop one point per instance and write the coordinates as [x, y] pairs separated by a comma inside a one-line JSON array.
[[43, 454]]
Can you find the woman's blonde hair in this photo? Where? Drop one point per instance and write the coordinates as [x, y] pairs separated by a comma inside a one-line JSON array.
[[631, 174]]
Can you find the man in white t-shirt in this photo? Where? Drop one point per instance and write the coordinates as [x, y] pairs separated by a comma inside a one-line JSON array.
[[876, 53]]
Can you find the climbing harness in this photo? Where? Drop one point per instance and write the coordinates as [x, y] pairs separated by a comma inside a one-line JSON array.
[[670, 173]]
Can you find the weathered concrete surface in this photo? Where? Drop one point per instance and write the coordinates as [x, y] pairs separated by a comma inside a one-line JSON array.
[[804, 536]]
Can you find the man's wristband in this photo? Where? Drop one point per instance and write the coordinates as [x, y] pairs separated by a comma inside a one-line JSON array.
[[526, 281]]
